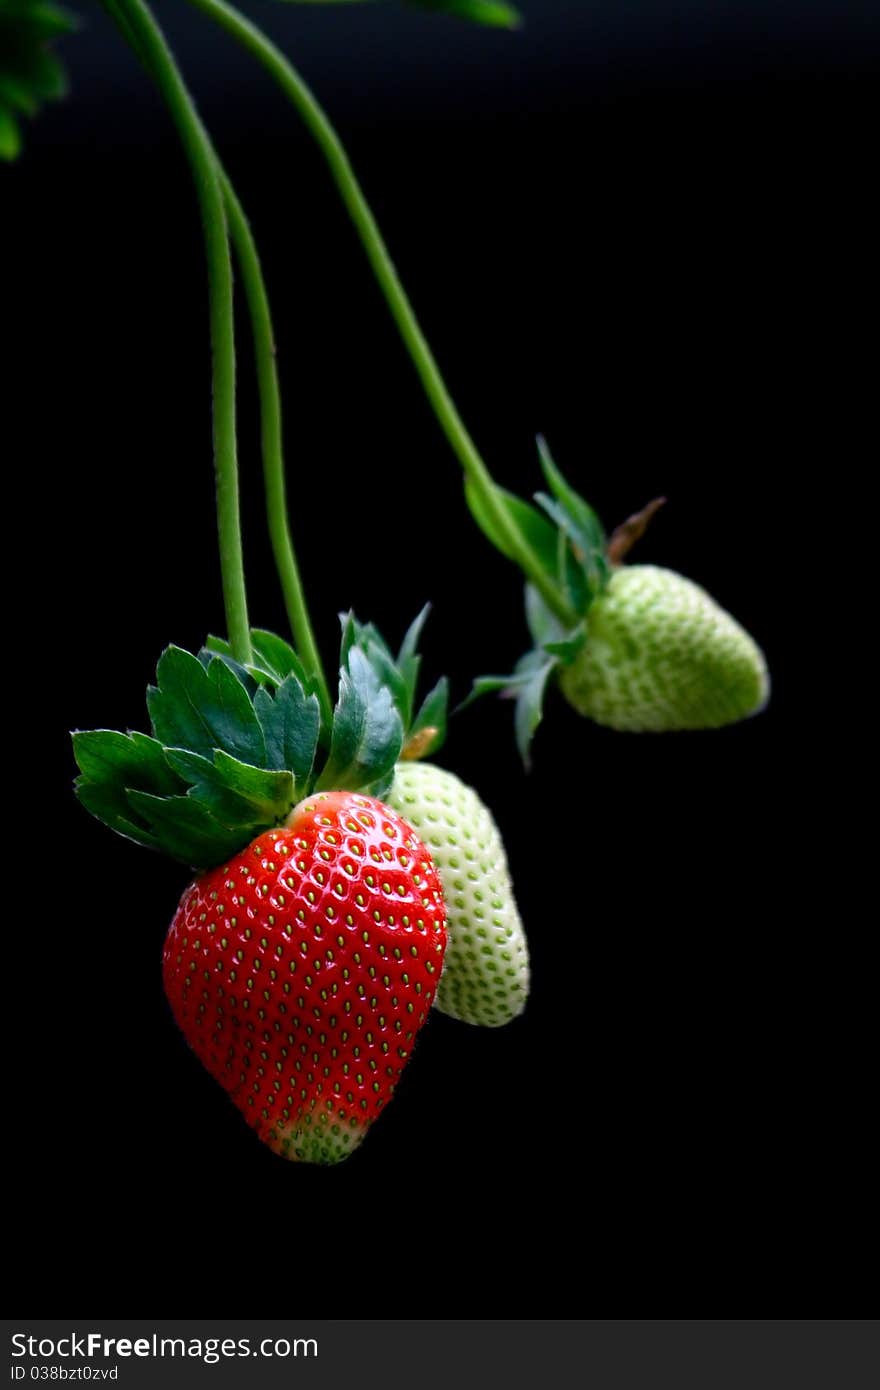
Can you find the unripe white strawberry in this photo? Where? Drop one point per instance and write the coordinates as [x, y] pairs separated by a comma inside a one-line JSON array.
[[485, 977], [661, 655]]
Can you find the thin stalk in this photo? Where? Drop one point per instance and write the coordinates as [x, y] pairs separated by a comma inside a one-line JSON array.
[[141, 31], [279, 67], [273, 457]]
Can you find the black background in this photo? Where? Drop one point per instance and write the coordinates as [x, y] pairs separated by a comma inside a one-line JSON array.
[[643, 230]]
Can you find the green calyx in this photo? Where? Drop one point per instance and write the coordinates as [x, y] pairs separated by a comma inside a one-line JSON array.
[[233, 748], [30, 74], [567, 537], [494, 13], [424, 724]]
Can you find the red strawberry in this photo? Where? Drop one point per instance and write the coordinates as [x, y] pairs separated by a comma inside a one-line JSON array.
[[301, 970]]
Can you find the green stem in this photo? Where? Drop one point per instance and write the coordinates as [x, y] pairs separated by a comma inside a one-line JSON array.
[[316, 120], [143, 33], [273, 456]]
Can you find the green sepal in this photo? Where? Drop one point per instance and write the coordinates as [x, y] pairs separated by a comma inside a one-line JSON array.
[[202, 708], [554, 646], [567, 648], [400, 675], [184, 829], [367, 639], [274, 659], [576, 519], [236, 794], [111, 764], [532, 674], [234, 748], [367, 729], [541, 536], [291, 723]]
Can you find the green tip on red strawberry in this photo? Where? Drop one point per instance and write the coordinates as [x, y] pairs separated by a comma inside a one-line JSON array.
[[661, 655], [486, 976], [634, 648], [301, 970]]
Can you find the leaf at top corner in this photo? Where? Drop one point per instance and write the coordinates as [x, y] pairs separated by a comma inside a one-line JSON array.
[[203, 708], [291, 722], [30, 74], [367, 729]]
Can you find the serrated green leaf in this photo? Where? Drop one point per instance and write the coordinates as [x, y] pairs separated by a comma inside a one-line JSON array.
[[237, 794], [367, 729], [274, 659], [278, 657], [202, 709], [291, 722], [186, 830], [105, 756], [109, 804], [367, 639]]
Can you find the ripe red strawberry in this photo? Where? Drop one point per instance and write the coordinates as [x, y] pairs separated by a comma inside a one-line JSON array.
[[301, 970]]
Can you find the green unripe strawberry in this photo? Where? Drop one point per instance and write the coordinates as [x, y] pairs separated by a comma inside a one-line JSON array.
[[661, 655], [485, 977]]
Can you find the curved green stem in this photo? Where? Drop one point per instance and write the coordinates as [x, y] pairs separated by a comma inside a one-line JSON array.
[[279, 67], [141, 30], [273, 457]]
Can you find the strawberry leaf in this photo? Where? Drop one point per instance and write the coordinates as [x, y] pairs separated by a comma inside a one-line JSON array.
[[579, 522], [203, 709], [532, 671], [290, 723], [185, 829], [367, 729], [274, 659], [235, 793]]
